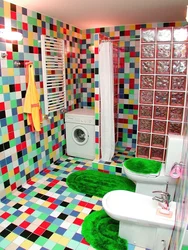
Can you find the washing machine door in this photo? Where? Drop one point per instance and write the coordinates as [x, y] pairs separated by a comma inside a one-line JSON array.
[[80, 135]]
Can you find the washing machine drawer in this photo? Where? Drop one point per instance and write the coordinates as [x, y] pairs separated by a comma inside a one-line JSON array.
[[80, 140]]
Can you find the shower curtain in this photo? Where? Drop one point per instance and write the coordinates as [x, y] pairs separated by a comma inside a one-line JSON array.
[[106, 86]]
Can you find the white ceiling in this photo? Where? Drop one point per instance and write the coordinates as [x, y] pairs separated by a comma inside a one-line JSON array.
[[85, 14]]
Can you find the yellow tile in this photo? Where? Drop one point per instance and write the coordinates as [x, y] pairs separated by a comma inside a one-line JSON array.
[[63, 241], [112, 33], [132, 27], [137, 59], [46, 204], [26, 244], [78, 208], [178, 24], [132, 76], [23, 201], [11, 236], [11, 72], [6, 89], [24, 216], [6, 9], [101, 167], [82, 216], [130, 116], [8, 190], [22, 130], [30, 38], [39, 23], [29, 149], [149, 25], [20, 110], [97, 207], [55, 237], [27, 170], [5, 138], [11, 173], [122, 44], [131, 101], [126, 91]]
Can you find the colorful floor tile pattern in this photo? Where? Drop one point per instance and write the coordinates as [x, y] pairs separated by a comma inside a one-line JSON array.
[[46, 214]]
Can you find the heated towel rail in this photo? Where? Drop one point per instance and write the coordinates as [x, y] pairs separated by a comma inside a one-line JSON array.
[[53, 67]]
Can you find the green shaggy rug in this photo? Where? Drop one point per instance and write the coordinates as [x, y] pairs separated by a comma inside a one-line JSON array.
[[101, 232], [143, 166], [92, 182]]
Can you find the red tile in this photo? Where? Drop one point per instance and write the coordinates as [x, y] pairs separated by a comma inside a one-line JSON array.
[[39, 231], [11, 135], [25, 224], [82, 203], [4, 170], [51, 199], [2, 106], [22, 195], [78, 221], [53, 206], [84, 242], [29, 211], [24, 26], [5, 215], [89, 205], [45, 224], [13, 186]]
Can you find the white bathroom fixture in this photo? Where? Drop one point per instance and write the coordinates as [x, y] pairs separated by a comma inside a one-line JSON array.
[[80, 133], [141, 223], [146, 183]]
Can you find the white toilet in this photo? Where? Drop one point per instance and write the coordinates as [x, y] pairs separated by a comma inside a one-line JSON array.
[[141, 222], [146, 183]]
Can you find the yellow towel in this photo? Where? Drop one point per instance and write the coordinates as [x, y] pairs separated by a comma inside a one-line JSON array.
[[32, 102]]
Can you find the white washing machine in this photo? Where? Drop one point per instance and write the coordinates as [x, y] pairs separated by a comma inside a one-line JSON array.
[[80, 133]]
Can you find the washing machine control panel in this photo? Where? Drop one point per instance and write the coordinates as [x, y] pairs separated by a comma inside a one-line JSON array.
[[80, 120]]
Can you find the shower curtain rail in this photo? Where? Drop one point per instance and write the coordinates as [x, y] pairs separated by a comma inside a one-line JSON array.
[[118, 40]]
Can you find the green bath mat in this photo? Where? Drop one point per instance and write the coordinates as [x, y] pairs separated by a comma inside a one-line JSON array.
[[101, 232], [143, 166], [92, 182]]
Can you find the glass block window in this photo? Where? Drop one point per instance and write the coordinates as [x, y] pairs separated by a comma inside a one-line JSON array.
[[163, 86]]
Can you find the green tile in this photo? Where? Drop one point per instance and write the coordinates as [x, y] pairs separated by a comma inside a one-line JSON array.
[[185, 248], [58, 247], [41, 241], [43, 216], [53, 227], [32, 21], [12, 218], [71, 206]]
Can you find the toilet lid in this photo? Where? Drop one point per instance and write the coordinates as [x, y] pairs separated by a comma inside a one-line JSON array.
[[143, 166]]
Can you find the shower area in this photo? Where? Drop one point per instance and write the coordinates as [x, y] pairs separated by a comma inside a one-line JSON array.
[[148, 95], [116, 103]]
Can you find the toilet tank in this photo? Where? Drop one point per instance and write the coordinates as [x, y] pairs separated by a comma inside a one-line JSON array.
[[174, 151]]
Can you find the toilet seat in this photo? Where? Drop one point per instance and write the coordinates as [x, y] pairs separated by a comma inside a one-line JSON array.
[[123, 205], [159, 178], [142, 175]]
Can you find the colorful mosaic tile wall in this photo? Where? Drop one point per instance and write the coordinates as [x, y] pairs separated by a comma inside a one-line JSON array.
[[24, 153], [128, 75]]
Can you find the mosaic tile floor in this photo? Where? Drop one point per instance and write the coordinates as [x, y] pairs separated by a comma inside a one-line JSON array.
[[121, 154], [45, 214]]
